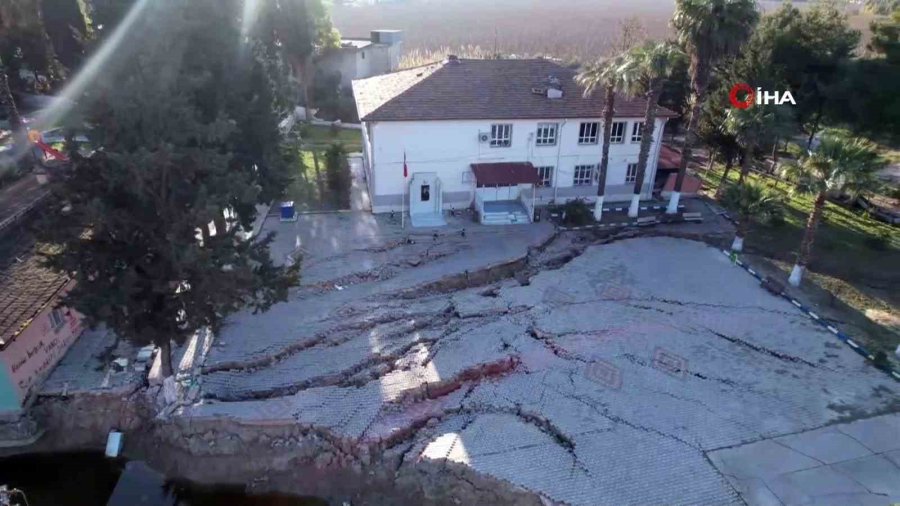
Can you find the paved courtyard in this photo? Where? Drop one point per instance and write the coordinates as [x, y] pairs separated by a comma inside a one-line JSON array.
[[622, 373]]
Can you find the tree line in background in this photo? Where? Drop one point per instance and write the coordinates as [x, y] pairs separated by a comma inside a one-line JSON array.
[[809, 52], [155, 224]]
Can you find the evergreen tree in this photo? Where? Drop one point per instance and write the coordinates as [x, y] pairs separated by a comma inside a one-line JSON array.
[[152, 224], [337, 174], [299, 29], [809, 48]]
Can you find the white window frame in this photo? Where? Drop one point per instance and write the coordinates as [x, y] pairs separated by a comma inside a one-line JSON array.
[[617, 132], [637, 131], [589, 137], [57, 319], [501, 135], [545, 173], [580, 178], [631, 173], [546, 134]]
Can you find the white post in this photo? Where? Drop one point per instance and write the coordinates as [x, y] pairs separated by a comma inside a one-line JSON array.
[[533, 192], [598, 209], [673, 203], [796, 275], [738, 244], [403, 197], [635, 205]]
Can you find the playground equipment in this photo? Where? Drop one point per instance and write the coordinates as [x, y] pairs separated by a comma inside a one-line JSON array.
[[37, 139]]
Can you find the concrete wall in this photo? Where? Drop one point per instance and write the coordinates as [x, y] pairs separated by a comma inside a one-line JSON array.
[[33, 354], [353, 63], [449, 147]]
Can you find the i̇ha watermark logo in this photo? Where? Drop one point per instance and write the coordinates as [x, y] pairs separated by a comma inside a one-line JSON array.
[[757, 97]]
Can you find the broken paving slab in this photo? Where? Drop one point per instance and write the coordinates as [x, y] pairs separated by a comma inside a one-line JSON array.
[[876, 473], [827, 445]]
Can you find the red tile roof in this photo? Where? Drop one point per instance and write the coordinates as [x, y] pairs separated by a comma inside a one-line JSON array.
[[669, 157], [505, 174], [26, 287], [483, 89], [690, 186]]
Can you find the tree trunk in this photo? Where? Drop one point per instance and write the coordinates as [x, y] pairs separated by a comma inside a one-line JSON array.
[[809, 236], [165, 358], [604, 156], [12, 112], [774, 157], [646, 143], [740, 233], [728, 163], [319, 183], [303, 68], [16, 124], [812, 223], [690, 136], [745, 164]]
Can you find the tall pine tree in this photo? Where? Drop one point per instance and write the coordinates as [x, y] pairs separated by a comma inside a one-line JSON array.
[[151, 224]]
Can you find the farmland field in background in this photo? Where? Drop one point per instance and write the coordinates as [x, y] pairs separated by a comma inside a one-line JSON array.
[[573, 30]]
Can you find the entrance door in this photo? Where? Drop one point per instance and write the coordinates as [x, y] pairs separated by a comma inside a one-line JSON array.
[[425, 194]]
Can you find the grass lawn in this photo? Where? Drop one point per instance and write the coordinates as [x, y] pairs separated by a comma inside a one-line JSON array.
[[304, 190], [848, 259], [324, 135]]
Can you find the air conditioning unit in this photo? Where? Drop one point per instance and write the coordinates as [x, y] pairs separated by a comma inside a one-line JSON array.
[[483, 137]]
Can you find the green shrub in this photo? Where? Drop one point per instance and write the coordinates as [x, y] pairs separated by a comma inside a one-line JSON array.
[[337, 175], [881, 360], [577, 213]]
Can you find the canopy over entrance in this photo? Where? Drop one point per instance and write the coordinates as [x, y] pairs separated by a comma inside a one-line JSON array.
[[504, 174]]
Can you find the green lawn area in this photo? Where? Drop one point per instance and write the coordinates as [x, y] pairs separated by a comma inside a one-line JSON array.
[[307, 194], [324, 135], [309, 189], [848, 258]]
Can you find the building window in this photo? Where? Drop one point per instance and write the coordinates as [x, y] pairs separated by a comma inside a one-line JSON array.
[[631, 173], [587, 133], [425, 193], [584, 175], [501, 136], [636, 130], [617, 132], [57, 320], [546, 175], [546, 134]]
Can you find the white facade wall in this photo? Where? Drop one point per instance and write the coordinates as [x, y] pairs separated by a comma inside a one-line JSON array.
[[448, 148]]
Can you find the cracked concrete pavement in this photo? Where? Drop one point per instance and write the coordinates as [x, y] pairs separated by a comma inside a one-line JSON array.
[[601, 374], [856, 463]]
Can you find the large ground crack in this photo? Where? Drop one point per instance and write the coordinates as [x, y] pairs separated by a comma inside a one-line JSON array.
[[761, 349]]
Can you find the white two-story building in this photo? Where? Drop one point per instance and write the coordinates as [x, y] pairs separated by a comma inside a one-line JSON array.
[[500, 135]]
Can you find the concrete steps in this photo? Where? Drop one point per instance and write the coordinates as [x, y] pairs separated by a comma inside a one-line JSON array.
[[514, 218]]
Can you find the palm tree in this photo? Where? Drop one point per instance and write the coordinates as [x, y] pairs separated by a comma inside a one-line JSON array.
[[750, 204], [751, 128], [840, 163], [708, 30], [644, 72], [603, 75]]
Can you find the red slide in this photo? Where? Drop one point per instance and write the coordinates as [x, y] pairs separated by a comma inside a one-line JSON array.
[[50, 151]]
